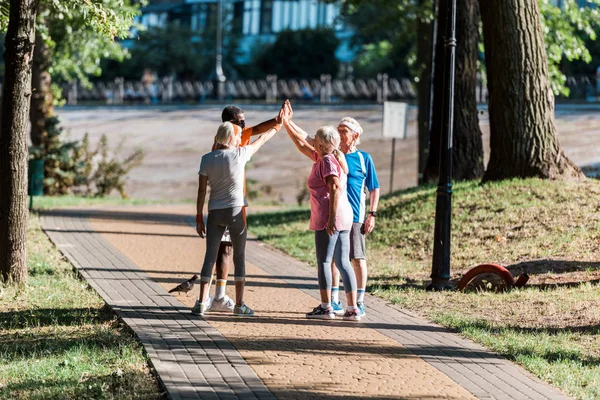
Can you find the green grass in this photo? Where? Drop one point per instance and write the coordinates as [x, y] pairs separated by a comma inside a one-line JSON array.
[[50, 202], [551, 230], [57, 341]]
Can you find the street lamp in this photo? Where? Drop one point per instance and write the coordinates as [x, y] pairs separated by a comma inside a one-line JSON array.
[[440, 269], [219, 58]]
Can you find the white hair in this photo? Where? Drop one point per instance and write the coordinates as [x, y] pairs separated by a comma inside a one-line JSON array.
[[225, 133], [329, 136], [353, 125]]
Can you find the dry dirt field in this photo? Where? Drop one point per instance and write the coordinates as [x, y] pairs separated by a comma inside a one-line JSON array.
[[175, 137]]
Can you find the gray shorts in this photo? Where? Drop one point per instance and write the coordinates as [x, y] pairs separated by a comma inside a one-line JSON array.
[[358, 248]]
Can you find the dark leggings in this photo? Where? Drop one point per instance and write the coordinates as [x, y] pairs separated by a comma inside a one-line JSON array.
[[336, 246], [216, 223]]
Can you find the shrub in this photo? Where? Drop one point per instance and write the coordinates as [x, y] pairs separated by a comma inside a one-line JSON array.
[[70, 166]]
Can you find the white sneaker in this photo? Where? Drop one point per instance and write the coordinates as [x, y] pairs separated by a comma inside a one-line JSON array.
[[224, 304], [208, 302]]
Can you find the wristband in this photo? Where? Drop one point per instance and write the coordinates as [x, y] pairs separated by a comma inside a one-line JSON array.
[[199, 218], [373, 213]]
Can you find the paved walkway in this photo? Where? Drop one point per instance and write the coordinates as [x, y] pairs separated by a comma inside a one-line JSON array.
[[132, 255]]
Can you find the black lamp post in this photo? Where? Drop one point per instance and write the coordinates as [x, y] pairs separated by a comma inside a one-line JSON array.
[[219, 58], [440, 269]]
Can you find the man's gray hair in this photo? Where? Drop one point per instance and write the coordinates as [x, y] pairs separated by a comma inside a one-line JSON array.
[[353, 125]]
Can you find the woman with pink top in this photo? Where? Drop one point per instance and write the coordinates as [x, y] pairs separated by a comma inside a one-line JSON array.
[[330, 213]]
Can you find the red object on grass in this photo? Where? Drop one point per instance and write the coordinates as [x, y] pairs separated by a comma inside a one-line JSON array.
[[488, 269]]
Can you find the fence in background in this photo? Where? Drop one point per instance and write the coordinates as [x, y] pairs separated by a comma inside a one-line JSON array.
[[272, 90]]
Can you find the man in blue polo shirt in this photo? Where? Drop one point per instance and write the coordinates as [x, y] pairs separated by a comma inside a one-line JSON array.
[[362, 179]]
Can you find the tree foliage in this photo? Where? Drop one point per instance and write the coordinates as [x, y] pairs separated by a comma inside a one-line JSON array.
[[386, 34], [176, 50], [80, 33], [305, 53], [568, 33]]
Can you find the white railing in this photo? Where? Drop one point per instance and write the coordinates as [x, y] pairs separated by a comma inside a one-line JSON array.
[[270, 89]]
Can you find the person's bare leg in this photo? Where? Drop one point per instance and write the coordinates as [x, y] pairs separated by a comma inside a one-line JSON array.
[[325, 296], [360, 270], [224, 257], [223, 260], [351, 298], [203, 291], [239, 292]]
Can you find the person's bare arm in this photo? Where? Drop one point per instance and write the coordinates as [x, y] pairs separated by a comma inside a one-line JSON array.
[[258, 143], [374, 203], [302, 132], [264, 127], [202, 183], [333, 183], [299, 139]]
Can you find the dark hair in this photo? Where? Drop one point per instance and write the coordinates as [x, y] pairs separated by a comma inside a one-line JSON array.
[[230, 113]]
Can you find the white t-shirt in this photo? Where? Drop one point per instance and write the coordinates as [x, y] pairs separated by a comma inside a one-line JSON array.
[[225, 172]]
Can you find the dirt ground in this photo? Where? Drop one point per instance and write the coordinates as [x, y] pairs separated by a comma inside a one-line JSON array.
[[175, 138]]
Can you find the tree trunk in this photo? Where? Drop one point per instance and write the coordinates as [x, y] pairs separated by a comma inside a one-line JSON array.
[[424, 43], [41, 99], [18, 53], [523, 140], [467, 159]]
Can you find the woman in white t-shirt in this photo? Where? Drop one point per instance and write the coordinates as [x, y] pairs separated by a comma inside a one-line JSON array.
[[223, 169]]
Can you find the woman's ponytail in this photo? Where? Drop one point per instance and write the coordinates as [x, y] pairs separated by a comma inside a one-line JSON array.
[[341, 159]]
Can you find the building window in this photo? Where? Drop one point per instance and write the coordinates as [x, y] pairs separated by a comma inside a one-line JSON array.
[[238, 17], [204, 17], [321, 14], [266, 16]]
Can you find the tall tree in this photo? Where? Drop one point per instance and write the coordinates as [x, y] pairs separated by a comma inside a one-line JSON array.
[[16, 96], [467, 159], [426, 29], [64, 56], [523, 141]]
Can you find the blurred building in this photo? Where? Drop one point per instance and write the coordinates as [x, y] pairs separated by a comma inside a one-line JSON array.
[[255, 21], [580, 3]]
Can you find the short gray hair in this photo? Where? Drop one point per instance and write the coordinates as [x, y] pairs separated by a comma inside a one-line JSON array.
[[329, 135], [353, 125], [225, 133]]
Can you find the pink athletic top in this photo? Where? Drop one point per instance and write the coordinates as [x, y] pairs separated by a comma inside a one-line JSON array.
[[319, 194]]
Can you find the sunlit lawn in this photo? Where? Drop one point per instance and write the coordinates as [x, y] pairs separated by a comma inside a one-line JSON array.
[[551, 230]]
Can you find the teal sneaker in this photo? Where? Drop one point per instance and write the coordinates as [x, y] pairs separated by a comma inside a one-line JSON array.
[[337, 308], [243, 311], [361, 309], [199, 308]]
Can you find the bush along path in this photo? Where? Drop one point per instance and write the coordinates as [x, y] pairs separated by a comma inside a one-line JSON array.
[[133, 255]]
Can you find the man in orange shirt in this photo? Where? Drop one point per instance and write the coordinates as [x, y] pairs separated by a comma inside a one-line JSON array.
[[235, 115]]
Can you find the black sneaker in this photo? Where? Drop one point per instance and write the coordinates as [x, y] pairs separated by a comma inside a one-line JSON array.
[[321, 313], [352, 315]]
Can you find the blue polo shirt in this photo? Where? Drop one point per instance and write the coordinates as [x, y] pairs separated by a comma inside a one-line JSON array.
[[360, 177]]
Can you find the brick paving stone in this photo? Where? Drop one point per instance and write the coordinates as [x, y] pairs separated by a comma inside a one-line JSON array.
[[156, 317], [401, 354]]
